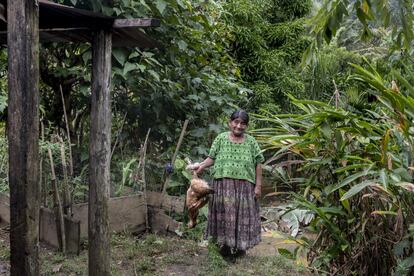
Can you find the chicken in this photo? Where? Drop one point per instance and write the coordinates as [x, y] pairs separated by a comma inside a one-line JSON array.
[[196, 198]]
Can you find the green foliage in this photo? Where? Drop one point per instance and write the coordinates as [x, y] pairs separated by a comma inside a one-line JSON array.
[[4, 165], [3, 83], [356, 176], [267, 38], [190, 77], [373, 19], [331, 65], [287, 10]]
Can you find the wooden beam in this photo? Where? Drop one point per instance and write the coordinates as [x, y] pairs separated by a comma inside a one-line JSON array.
[[99, 156], [23, 135], [136, 22]]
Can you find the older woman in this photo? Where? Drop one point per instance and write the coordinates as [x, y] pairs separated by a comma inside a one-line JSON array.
[[233, 219]]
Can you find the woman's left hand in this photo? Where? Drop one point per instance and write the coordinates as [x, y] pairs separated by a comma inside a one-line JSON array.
[[257, 191]]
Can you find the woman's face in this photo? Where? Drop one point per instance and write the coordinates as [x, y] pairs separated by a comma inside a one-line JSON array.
[[237, 127]]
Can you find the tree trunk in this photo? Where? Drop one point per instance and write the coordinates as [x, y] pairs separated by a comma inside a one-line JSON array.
[[99, 152], [23, 134]]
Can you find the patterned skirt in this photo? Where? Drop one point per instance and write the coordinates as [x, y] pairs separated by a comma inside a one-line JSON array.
[[233, 214]]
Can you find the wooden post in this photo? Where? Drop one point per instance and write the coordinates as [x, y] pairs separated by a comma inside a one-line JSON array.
[[99, 155], [23, 135]]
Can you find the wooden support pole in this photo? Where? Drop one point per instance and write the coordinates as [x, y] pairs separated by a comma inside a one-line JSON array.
[[99, 156], [23, 135]]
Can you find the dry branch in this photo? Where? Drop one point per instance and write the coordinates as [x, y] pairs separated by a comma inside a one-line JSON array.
[[180, 140], [60, 223], [67, 132], [67, 202], [142, 161], [117, 136]]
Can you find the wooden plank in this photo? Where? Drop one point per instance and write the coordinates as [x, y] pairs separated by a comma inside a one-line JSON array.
[[99, 235], [125, 213], [136, 22], [133, 37], [173, 203], [48, 231], [128, 37], [23, 135]]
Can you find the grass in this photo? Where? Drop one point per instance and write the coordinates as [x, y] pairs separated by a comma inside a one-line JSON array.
[[163, 255]]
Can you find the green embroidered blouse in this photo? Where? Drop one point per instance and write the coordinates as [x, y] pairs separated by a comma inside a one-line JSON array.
[[235, 160]]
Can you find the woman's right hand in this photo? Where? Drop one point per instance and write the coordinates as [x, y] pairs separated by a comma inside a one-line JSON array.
[[193, 167], [199, 170], [200, 167]]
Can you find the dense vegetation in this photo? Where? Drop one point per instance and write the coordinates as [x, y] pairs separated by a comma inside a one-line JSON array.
[[353, 154], [330, 84]]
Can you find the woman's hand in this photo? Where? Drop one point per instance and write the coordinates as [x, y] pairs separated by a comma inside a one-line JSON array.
[[257, 191], [258, 186], [203, 165], [199, 170]]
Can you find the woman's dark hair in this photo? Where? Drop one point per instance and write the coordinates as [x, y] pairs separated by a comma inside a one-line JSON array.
[[240, 114]]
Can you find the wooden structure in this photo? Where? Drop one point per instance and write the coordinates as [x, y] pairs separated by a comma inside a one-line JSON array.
[[22, 24], [126, 213]]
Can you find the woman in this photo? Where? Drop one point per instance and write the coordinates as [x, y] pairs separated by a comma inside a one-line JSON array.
[[233, 219]]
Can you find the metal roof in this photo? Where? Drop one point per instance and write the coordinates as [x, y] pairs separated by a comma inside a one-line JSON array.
[[63, 23]]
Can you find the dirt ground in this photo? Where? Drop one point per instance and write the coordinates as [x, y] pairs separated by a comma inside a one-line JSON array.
[[183, 254], [152, 254]]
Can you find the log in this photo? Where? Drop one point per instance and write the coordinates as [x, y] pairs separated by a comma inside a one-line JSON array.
[[99, 156], [23, 135]]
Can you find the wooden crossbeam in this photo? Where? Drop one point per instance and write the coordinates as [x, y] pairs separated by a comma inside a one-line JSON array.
[[136, 22]]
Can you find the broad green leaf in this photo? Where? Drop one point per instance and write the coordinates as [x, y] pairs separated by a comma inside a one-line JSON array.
[[161, 5], [350, 179], [179, 164], [119, 55], [187, 175], [182, 45], [129, 67], [141, 67], [286, 253], [384, 178], [355, 189], [344, 202], [154, 74], [175, 184]]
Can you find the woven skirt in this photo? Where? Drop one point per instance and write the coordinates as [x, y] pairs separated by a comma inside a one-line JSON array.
[[233, 214]]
